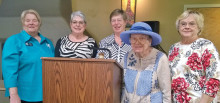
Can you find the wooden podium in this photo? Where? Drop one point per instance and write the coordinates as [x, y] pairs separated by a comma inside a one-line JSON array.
[[68, 80]]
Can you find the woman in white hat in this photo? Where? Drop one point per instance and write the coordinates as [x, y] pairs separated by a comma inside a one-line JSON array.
[[146, 71]]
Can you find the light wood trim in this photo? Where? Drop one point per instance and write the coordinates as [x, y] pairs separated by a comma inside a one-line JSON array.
[[200, 6], [2, 85], [2, 89]]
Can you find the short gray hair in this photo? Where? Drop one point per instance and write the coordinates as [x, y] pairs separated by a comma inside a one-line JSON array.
[[78, 13]]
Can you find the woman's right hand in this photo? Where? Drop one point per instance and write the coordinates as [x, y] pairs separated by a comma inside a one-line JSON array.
[[14, 98]]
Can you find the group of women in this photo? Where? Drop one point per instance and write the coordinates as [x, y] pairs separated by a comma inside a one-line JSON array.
[[190, 73]]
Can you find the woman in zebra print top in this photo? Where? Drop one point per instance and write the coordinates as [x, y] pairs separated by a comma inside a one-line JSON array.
[[76, 44], [118, 49]]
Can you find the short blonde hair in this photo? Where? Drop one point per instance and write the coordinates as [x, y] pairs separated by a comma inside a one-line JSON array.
[[197, 15], [30, 11], [117, 12]]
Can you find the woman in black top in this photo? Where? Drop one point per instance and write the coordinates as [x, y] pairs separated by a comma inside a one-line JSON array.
[[76, 44]]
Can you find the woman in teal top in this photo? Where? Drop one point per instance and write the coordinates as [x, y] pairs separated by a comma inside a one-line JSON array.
[[21, 60]]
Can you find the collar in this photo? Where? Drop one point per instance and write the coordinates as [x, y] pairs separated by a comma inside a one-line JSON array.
[[28, 37], [151, 55], [114, 42]]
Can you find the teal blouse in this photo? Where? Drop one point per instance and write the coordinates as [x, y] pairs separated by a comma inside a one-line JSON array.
[[22, 64]]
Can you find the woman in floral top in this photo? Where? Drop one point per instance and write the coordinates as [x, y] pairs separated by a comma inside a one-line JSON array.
[[194, 63]]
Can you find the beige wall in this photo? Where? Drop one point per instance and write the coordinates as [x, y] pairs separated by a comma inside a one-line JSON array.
[[165, 11], [97, 13], [212, 24]]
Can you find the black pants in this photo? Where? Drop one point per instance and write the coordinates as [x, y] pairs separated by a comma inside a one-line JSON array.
[[30, 102]]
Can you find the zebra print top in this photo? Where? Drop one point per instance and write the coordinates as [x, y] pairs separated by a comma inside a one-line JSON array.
[[67, 48], [117, 52]]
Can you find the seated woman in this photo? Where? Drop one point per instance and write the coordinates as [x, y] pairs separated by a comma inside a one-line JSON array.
[[76, 44], [146, 70]]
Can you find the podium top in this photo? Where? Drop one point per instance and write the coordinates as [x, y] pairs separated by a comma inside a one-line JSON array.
[[81, 59]]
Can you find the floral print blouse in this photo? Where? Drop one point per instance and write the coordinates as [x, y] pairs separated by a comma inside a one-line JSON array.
[[195, 69]]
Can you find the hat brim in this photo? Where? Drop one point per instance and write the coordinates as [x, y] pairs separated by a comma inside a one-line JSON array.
[[125, 36]]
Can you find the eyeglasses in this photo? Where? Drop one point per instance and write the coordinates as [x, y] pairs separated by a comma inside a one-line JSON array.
[[120, 20], [190, 24], [142, 40], [78, 22]]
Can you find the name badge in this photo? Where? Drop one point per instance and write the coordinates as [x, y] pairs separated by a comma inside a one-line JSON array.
[[28, 44]]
